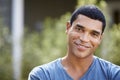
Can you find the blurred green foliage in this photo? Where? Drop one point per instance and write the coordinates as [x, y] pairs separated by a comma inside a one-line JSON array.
[[5, 53], [111, 44], [50, 43]]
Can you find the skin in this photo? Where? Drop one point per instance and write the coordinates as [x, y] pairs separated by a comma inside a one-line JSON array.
[[84, 36]]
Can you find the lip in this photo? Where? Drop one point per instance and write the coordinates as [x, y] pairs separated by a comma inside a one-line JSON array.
[[81, 47]]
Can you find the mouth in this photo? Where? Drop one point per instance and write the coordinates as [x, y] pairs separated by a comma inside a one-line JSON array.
[[80, 46]]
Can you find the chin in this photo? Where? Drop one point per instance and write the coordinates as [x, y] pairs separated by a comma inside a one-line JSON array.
[[82, 55]]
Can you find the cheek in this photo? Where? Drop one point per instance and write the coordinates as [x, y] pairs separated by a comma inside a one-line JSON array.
[[74, 35], [96, 43]]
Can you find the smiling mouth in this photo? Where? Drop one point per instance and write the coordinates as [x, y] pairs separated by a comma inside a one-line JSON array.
[[80, 46]]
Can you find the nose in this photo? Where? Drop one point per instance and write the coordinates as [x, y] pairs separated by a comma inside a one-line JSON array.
[[84, 37]]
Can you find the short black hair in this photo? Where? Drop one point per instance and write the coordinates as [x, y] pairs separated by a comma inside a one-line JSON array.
[[90, 11]]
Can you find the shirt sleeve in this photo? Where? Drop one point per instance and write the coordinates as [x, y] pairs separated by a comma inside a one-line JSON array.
[[115, 72], [37, 74], [33, 77]]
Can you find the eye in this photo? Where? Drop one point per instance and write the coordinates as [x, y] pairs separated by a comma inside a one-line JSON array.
[[94, 34], [79, 29]]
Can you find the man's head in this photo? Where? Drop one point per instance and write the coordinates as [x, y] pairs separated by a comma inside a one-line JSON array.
[[84, 31], [90, 11]]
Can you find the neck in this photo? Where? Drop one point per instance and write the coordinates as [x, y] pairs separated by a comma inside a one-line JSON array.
[[76, 66], [78, 63]]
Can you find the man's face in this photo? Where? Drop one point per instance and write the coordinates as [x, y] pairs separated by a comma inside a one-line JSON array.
[[84, 36]]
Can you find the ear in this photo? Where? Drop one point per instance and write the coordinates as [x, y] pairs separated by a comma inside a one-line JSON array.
[[68, 25]]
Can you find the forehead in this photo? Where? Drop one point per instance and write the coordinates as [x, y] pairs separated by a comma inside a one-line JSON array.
[[88, 23]]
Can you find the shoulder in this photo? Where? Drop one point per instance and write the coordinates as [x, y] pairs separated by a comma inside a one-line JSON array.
[[44, 67], [42, 71], [110, 68], [106, 63]]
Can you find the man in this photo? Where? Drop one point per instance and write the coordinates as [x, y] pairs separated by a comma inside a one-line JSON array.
[[84, 34]]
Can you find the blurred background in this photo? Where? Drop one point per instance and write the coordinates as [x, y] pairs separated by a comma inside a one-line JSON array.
[[32, 32]]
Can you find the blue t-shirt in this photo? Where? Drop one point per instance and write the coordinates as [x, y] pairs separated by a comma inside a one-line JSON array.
[[99, 70]]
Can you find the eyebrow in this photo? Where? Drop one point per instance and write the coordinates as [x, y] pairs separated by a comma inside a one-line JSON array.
[[78, 25], [97, 32]]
